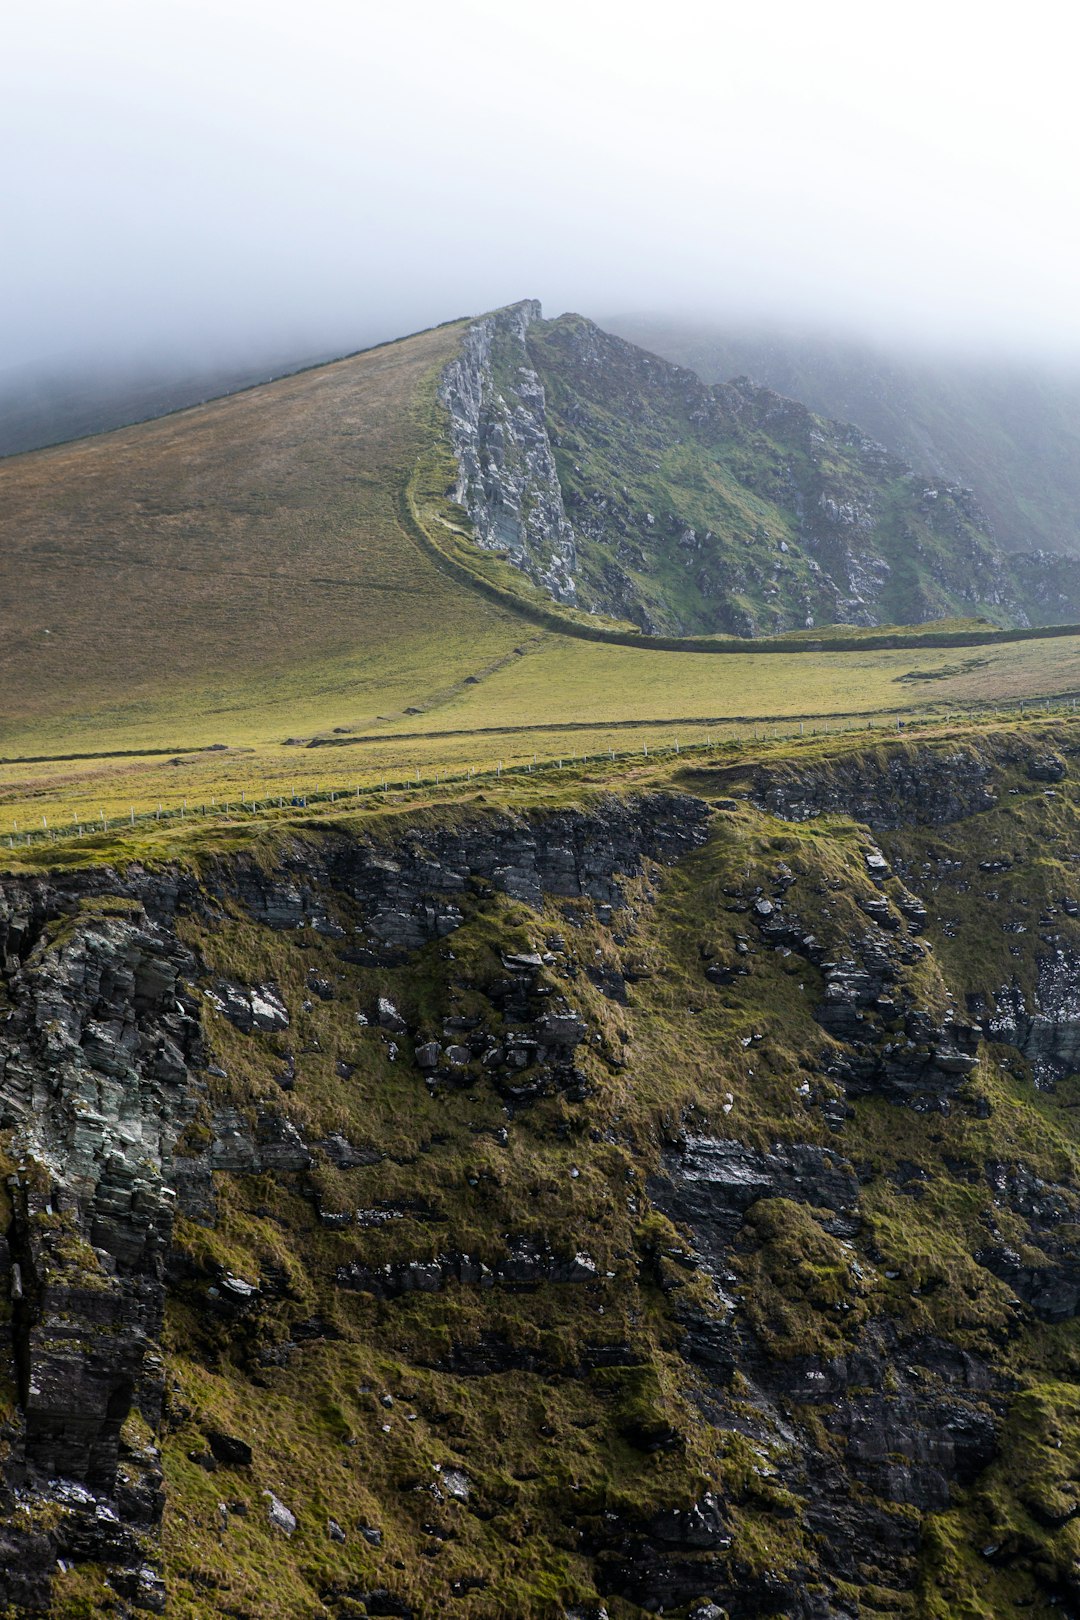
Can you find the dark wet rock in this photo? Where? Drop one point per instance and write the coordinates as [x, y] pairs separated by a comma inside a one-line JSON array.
[[708, 1185], [888, 786], [344, 1156], [525, 1265], [409, 895], [249, 1008], [1046, 1276], [377, 1600], [1047, 767], [864, 1001], [228, 1450]]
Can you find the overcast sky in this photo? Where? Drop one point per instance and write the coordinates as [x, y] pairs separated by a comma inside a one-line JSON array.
[[202, 176]]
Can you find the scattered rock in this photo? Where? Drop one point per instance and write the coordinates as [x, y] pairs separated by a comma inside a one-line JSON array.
[[279, 1515]]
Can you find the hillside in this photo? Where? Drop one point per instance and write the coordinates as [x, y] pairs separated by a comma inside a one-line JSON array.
[[223, 568], [42, 405], [501, 1114], [1008, 430], [275, 595], [625, 485]]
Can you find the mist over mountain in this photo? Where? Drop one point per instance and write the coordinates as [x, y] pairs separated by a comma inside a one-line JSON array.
[[625, 485], [49, 403], [1008, 428], [539, 855], [503, 1112]]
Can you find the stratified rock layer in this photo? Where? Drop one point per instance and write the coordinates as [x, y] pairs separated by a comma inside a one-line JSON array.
[[678, 1191]]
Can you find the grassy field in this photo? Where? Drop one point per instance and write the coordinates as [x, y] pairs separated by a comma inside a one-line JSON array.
[[235, 603], [232, 572]]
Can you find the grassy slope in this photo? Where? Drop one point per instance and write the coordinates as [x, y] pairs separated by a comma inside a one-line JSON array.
[[246, 571], [237, 570]]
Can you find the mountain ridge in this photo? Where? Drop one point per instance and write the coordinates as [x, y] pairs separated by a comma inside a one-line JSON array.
[[767, 517], [1010, 428]]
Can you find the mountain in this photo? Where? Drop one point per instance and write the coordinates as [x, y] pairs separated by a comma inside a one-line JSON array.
[[625, 485], [1008, 429], [501, 1114], [295, 561]]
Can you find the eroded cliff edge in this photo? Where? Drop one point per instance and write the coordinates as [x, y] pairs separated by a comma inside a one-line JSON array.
[[665, 1201]]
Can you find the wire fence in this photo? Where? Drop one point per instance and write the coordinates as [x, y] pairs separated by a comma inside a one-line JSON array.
[[261, 805]]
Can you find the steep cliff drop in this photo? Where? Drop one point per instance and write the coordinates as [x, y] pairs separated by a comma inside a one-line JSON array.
[[660, 1202]]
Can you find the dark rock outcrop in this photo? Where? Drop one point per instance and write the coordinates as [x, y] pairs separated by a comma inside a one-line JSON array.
[[102, 1064]]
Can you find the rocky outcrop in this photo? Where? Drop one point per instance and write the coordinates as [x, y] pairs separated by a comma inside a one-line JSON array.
[[913, 1419], [507, 478], [479, 1124], [1048, 1031], [625, 485], [103, 1064], [99, 1041], [709, 1185], [890, 786], [411, 893]]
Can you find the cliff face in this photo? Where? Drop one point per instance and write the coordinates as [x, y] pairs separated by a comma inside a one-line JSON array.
[[507, 478], [660, 1203], [625, 485]]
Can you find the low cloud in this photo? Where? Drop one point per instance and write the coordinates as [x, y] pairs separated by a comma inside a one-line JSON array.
[[193, 179]]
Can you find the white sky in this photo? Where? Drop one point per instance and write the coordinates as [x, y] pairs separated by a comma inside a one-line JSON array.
[[195, 176]]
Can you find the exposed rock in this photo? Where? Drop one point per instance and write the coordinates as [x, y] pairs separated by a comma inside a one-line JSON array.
[[744, 1303], [547, 484], [887, 786], [229, 1451], [507, 478], [259, 1008], [279, 1515], [1047, 767]]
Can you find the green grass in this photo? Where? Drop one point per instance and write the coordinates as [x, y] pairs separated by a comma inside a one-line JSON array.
[[312, 476], [194, 592], [236, 571]]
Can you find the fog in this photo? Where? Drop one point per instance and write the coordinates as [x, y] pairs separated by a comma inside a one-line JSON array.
[[192, 179]]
